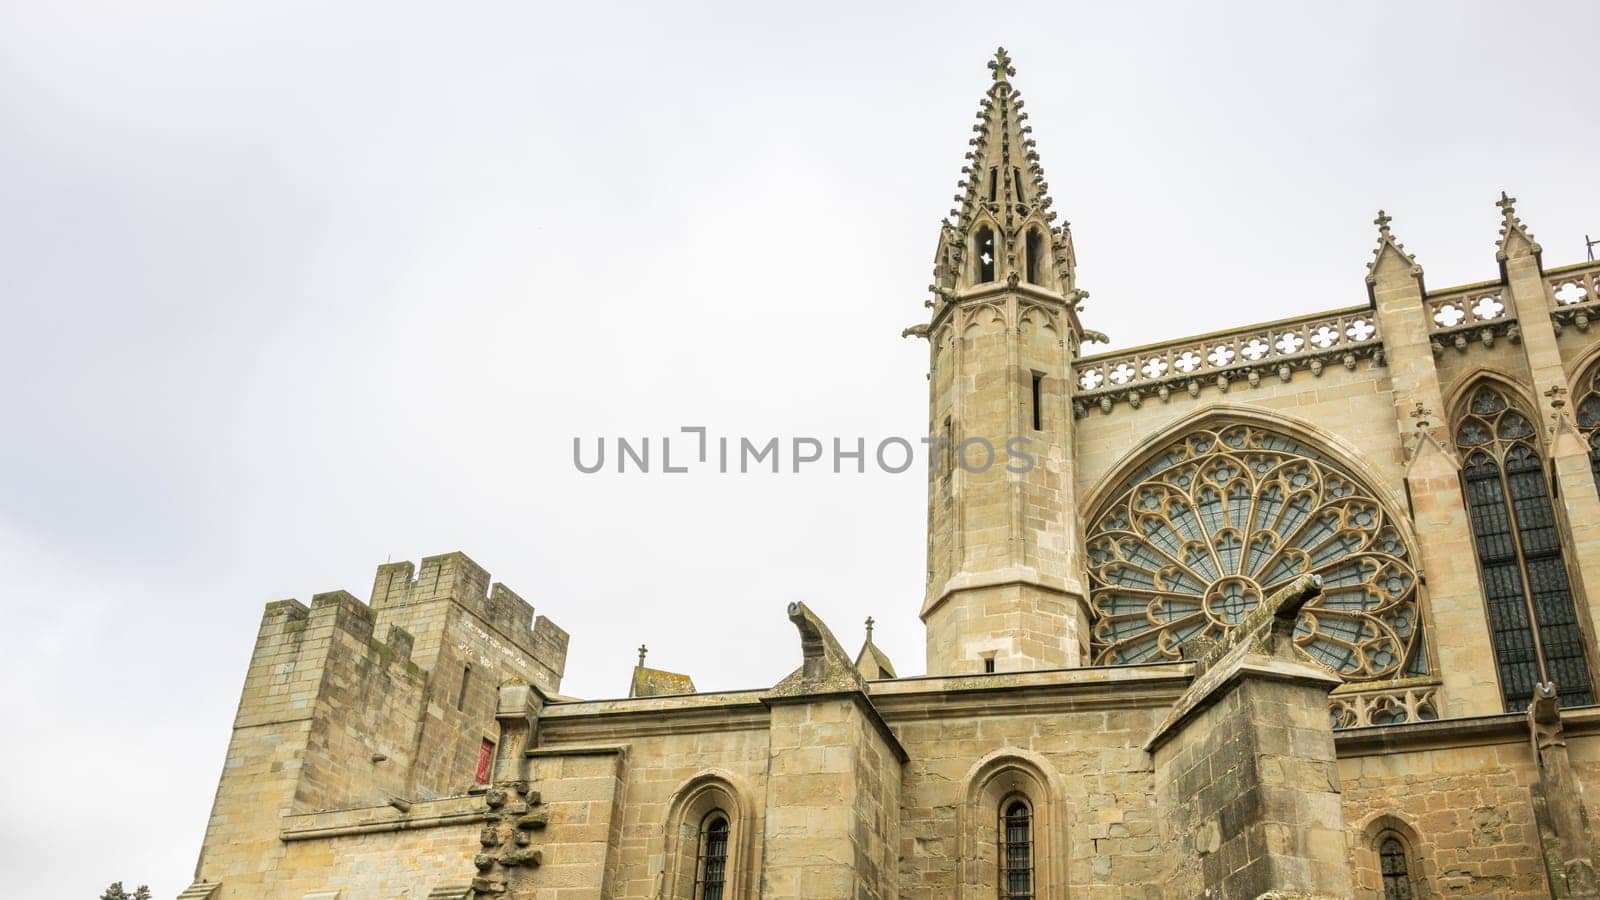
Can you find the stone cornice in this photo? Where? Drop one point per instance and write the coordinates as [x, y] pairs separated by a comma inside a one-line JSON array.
[[1464, 731], [1011, 575], [1042, 692], [444, 812], [999, 292]]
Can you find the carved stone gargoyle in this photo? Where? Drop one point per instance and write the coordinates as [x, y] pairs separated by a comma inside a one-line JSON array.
[[825, 667], [1268, 629], [1564, 837]]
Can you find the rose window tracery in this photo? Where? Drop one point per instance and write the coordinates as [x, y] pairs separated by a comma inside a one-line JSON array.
[[1214, 525]]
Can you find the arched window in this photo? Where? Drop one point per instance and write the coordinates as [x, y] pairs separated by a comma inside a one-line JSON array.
[[1395, 867], [1589, 418], [1016, 851], [1222, 518], [706, 838], [983, 250], [1035, 257], [1011, 835], [711, 870], [1535, 629]]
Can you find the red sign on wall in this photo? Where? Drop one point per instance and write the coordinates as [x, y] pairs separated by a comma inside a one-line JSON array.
[[485, 760]]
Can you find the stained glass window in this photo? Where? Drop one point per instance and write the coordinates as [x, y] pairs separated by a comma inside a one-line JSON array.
[[1220, 520], [1532, 622], [1589, 418]]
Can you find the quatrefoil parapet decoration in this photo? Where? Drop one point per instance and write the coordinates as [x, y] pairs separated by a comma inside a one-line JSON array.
[[1219, 521]]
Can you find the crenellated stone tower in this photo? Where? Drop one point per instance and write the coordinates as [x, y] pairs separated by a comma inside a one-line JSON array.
[[1004, 591]]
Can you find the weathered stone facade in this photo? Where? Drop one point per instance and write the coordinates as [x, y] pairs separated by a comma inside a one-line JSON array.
[[1289, 609]]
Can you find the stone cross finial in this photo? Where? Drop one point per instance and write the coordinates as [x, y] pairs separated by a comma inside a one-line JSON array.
[[642, 651], [1001, 64], [869, 628], [1508, 205], [1382, 221], [1557, 396]]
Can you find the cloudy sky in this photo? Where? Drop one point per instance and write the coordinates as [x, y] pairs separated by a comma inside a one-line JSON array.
[[291, 289]]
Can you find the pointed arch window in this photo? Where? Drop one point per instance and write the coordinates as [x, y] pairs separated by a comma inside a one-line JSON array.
[[1016, 850], [1035, 257], [1533, 624], [1589, 418], [711, 870], [983, 254], [1394, 864]]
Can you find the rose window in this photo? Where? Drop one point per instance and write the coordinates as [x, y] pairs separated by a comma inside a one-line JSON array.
[[1219, 522]]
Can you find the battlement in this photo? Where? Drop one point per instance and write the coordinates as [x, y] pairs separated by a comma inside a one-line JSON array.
[[400, 591], [352, 704]]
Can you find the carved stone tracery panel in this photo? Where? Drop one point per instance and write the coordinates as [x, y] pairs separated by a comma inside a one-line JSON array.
[[1200, 535], [1588, 408]]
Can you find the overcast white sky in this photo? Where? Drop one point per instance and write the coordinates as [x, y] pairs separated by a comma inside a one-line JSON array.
[[290, 289]]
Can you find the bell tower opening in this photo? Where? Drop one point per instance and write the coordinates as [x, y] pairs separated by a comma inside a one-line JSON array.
[[1035, 257], [983, 250]]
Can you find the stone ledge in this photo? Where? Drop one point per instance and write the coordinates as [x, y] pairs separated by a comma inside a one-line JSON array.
[[577, 750], [463, 810], [1462, 731], [1011, 576], [1039, 691], [560, 709]]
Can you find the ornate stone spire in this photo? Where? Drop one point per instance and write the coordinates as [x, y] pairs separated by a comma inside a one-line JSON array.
[[1002, 196], [1390, 251], [1513, 234]]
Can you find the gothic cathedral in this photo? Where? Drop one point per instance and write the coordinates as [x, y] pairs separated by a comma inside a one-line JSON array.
[[1303, 608]]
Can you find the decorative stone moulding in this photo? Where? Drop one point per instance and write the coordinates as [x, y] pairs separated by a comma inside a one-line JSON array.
[[1450, 309], [1342, 337], [1462, 317], [1409, 700], [1575, 291]]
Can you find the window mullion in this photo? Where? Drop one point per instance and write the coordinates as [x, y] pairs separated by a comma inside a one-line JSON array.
[[1522, 570]]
